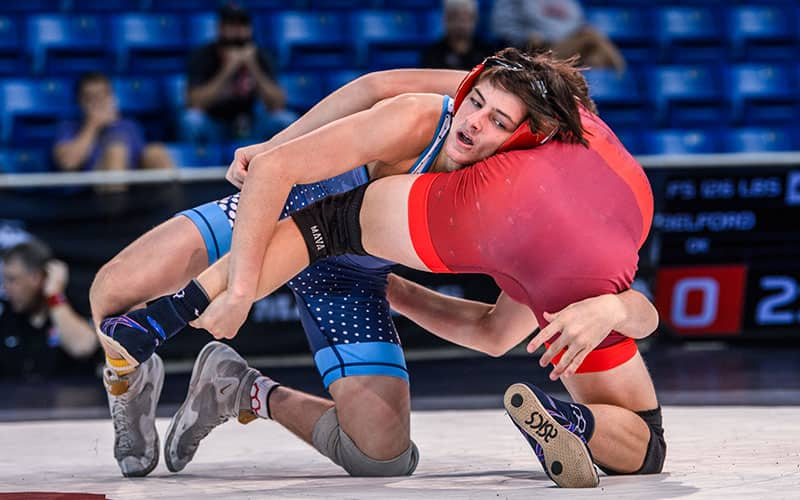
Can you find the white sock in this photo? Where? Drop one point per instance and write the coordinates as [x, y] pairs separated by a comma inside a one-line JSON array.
[[259, 395]]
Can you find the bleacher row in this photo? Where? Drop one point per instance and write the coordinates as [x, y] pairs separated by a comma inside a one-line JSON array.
[[712, 77]]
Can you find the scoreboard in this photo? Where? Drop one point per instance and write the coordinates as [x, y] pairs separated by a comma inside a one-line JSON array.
[[725, 246]]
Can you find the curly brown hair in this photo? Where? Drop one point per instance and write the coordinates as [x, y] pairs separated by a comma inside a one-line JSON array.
[[552, 89]]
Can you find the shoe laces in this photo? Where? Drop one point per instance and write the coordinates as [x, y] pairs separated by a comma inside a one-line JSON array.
[[121, 427]]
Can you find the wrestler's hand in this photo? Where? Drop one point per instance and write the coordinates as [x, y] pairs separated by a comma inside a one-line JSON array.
[[583, 325], [237, 171], [223, 317]]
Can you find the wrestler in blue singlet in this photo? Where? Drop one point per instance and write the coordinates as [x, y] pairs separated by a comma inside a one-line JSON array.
[[342, 300]]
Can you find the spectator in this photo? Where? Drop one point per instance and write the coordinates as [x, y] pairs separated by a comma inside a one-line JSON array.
[[103, 140], [557, 25], [41, 333], [226, 81], [459, 48]]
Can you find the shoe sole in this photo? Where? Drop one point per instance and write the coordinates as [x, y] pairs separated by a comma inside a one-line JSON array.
[[159, 384], [566, 457], [196, 369], [111, 345]]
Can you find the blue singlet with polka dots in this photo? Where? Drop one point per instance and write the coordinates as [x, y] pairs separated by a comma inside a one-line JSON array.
[[342, 300]]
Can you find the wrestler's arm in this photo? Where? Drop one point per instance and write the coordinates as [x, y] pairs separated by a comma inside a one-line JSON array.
[[391, 131], [358, 95], [489, 328], [496, 328]]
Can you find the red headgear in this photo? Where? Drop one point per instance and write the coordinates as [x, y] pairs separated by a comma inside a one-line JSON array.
[[523, 137]]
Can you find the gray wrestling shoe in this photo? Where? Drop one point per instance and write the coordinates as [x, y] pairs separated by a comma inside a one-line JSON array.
[[218, 390], [132, 399]]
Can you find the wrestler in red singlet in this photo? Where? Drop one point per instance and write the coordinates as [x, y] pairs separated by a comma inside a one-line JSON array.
[[552, 225]]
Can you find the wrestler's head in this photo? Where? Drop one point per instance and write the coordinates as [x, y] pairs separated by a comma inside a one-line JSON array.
[[516, 100]]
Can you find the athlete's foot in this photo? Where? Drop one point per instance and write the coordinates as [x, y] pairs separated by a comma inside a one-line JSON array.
[[132, 399], [135, 335], [563, 452], [219, 389]]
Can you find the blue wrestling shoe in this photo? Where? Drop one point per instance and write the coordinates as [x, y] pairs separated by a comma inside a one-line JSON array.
[[557, 440]]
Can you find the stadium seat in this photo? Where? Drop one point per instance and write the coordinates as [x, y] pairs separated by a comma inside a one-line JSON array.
[[31, 108], [27, 161], [102, 5], [388, 39], [761, 93], [61, 43], [631, 138], [137, 95], [10, 53], [686, 95], [674, 142], [191, 155], [31, 6], [629, 27], [174, 91], [762, 32], [308, 40], [184, 5], [409, 4], [275, 5], [618, 96], [689, 34], [149, 43], [756, 139], [340, 4], [337, 79], [303, 90], [202, 28]]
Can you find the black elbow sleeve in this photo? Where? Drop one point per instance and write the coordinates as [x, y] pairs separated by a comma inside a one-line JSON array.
[[332, 226]]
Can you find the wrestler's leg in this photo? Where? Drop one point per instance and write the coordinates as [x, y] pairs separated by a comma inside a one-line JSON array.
[[159, 262], [620, 439], [365, 430]]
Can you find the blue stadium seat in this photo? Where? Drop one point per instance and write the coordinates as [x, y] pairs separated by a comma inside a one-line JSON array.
[[137, 95], [689, 34], [762, 93], [756, 139], [388, 39], [174, 90], [101, 5], [61, 43], [686, 95], [149, 43], [306, 40], [31, 108], [618, 96], [303, 90], [10, 54], [340, 4], [675, 142], [631, 138], [202, 28], [433, 24], [337, 79], [762, 32], [190, 155], [274, 5], [184, 5], [24, 161], [409, 4], [31, 6], [631, 29]]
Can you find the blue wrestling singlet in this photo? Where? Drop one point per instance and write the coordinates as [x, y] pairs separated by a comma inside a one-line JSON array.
[[342, 300]]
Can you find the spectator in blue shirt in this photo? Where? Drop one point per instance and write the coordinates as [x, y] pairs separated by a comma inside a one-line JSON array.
[[102, 139]]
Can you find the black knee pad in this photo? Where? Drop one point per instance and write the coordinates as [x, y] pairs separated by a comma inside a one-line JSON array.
[[656, 447], [332, 226]]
